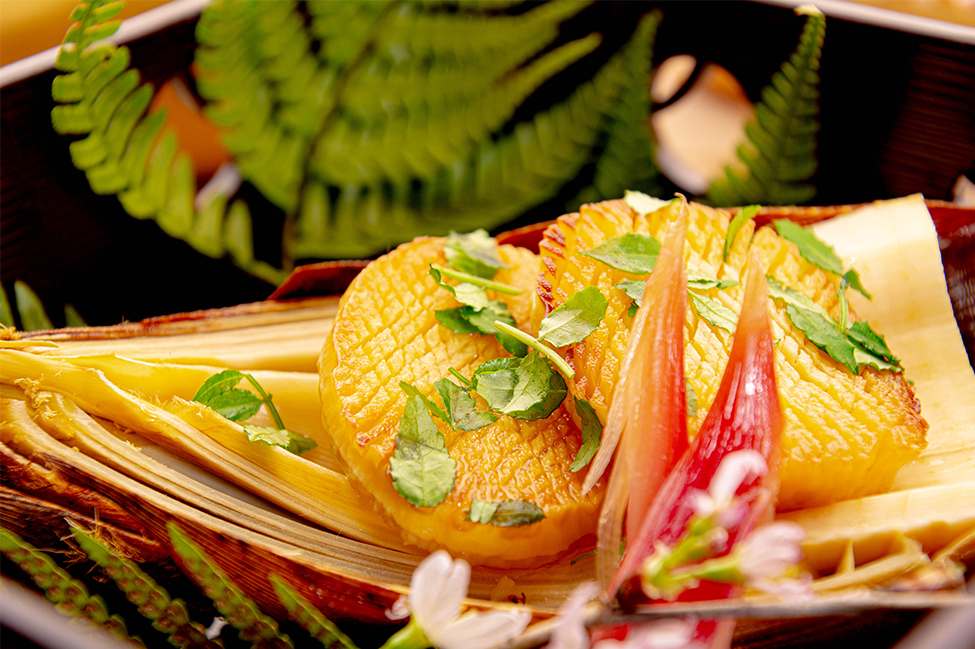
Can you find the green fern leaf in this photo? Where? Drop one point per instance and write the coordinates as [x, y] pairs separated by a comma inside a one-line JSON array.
[[101, 98], [779, 156], [308, 617], [69, 595], [241, 612], [153, 602], [627, 159]]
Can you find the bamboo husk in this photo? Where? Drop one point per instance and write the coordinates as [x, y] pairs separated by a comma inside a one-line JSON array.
[[930, 513]]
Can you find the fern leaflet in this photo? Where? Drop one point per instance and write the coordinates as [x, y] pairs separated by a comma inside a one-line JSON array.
[[779, 156], [123, 151]]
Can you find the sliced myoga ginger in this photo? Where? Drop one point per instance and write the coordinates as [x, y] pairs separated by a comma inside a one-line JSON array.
[[386, 332], [844, 436]]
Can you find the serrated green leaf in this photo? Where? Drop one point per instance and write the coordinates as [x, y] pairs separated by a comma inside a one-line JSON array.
[[435, 410], [714, 312], [630, 252], [701, 281], [291, 442], [852, 278], [795, 298], [573, 320], [812, 248], [591, 433], [743, 216], [818, 252], [528, 388], [643, 204], [217, 384], [633, 290], [823, 333], [482, 512], [269, 436], [458, 320], [507, 513], [235, 404], [422, 469], [474, 253], [863, 335], [461, 407]]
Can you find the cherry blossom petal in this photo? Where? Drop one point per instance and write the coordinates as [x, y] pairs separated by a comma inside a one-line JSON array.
[[771, 550], [735, 468], [399, 610], [436, 590], [665, 634], [474, 630], [570, 630]]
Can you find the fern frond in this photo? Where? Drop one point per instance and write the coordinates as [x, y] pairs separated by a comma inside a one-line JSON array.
[[239, 611], [627, 160], [780, 154], [100, 97], [497, 182], [420, 143], [69, 595], [309, 618], [272, 96], [152, 601]]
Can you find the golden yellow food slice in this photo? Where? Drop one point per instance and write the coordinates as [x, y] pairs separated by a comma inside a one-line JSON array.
[[845, 436], [385, 332]]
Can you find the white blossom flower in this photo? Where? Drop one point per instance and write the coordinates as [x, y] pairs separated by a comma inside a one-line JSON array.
[[570, 629], [768, 553], [437, 589], [664, 634], [770, 550], [735, 468]]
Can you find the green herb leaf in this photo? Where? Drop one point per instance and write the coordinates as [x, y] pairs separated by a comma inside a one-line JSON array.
[[435, 410], [236, 404], [576, 318], [640, 202], [484, 321], [630, 252], [592, 432], [691, 397], [817, 252], [526, 388], [853, 279], [507, 513], [695, 281], [743, 216], [714, 312], [823, 333], [863, 335], [458, 320], [700, 281], [474, 253], [461, 407], [482, 512], [219, 394], [217, 384], [633, 290], [795, 298], [854, 346], [423, 471], [287, 440]]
